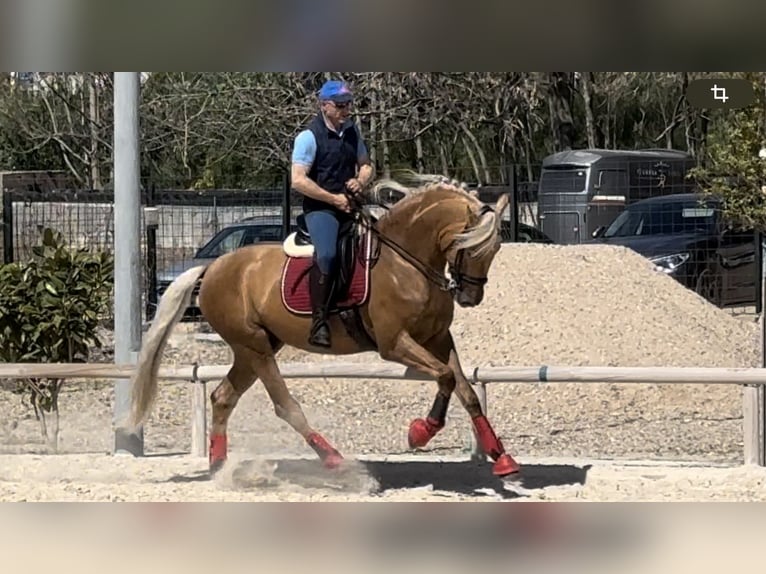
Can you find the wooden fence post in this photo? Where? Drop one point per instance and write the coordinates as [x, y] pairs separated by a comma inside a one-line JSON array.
[[477, 454], [199, 419], [753, 425]]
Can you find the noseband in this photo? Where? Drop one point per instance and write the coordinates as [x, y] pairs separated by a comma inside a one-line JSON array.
[[458, 277]]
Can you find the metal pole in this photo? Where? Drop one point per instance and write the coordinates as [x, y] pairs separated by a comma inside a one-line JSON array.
[[127, 249], [760, 392], [761, 291]]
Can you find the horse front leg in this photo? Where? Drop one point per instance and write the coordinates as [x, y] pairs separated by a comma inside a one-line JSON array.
[[407, 351], [421, 431], [485, 434]]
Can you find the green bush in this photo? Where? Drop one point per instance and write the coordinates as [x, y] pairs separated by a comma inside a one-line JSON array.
[[50, 309], [732, 168]]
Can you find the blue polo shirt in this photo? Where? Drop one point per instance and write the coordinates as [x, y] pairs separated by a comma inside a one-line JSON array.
[[305, 146]]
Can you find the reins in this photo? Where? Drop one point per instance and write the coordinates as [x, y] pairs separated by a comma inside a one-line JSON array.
[[430, 273]]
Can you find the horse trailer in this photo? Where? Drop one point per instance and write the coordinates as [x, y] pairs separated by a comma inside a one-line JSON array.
[[581, 191]]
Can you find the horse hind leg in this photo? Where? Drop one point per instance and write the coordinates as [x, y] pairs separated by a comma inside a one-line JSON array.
[[289, 410], [224, 398]]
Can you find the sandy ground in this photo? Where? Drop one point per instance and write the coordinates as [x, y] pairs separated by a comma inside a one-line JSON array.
[[584, 305], [182, 478]]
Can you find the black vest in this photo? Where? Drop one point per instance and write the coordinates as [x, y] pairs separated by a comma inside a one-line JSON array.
[[335, 161]]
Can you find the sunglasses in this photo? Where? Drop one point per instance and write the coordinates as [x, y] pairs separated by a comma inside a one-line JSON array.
[[342, 106]]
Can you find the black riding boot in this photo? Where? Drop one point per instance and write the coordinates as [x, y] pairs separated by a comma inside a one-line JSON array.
[[321, 288]]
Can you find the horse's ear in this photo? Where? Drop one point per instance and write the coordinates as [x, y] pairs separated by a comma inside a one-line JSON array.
[[502, 202]]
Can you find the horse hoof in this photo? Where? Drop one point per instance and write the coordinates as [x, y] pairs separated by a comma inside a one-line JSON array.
[[217, 452], [332, 461], [216, 466], [505, 465], [420, 433]]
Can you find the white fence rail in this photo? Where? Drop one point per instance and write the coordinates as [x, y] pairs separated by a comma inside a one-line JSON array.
[[752, 380]]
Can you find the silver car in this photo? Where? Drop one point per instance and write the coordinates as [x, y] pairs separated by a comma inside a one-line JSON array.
[[258, 229]]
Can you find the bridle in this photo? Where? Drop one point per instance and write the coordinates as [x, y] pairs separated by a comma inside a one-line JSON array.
[[454, 269], [457, 277]]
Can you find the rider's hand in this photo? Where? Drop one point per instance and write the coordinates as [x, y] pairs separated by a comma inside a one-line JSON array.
[[341, 202], [354, 186]]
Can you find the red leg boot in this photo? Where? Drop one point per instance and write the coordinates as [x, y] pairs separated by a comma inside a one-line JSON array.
[[491, 445]]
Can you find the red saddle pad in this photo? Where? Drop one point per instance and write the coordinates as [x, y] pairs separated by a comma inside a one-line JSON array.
[[295, 281]]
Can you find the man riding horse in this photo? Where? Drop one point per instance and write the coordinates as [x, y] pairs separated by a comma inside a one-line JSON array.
[[325, 159], [438, 225]]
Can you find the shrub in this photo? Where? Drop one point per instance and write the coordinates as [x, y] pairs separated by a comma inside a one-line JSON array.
[[50, 309], [733, 169]]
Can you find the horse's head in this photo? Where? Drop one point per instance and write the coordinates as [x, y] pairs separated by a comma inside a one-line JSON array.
[[471, 250], [442, 223]]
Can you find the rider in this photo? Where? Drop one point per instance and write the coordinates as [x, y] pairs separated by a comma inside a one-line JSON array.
[[329, 160]]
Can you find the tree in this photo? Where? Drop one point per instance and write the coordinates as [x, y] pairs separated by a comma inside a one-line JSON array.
[[50, 308], [733, 169]]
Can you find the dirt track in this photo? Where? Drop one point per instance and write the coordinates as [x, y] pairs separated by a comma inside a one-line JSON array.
[[544, 305], [404, 478]]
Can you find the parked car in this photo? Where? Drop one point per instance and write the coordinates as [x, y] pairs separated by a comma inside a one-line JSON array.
[[258, 229], [685, 236], [527, 234]]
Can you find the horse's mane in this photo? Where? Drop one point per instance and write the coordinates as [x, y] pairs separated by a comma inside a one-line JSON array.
[[480, 237]]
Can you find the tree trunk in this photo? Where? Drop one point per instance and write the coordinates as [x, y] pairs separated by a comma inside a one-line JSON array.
[[482, 157], [419, 158], [419, 161], [443, 156], [372, 141], [49, 424], [531, 212], [95, 170], [607, 123], [48, 419], [472, 157], [384, 140], [386, 155], [590, 125], [703, 129], [559, 98]]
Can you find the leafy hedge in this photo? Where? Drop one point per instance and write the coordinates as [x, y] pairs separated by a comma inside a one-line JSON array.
[[734, 169], [50, 309]]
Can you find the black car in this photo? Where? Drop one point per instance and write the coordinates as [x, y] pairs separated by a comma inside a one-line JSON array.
[[685, 236], [526, 234]]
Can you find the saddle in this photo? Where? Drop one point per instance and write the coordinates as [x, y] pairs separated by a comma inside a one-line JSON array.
[[352, 279], [298, 245]]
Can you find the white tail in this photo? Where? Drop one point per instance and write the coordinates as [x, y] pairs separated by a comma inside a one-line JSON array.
[[174, 302]]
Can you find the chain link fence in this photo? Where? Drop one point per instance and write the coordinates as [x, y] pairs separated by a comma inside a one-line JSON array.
[[642, 202]]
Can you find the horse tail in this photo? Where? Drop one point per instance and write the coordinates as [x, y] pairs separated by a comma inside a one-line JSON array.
[[172, 306]]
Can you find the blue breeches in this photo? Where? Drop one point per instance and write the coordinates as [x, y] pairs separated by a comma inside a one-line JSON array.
[[323, 228]]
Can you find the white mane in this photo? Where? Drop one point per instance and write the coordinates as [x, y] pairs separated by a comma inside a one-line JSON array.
[[480, 238]]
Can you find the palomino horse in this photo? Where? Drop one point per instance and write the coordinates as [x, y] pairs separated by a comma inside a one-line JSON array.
[[405, 313]]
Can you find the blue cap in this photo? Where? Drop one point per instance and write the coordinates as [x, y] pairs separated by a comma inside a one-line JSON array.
[[335, 91]]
